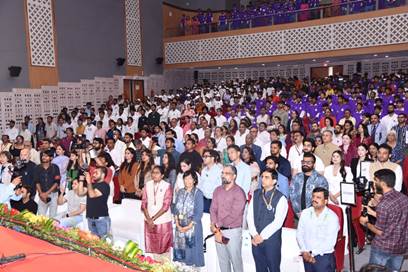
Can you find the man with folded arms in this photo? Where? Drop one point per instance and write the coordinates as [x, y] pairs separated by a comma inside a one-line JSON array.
[[226, 212]]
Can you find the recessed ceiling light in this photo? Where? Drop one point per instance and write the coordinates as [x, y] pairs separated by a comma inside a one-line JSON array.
[[235, 68], [387, 56], [278, 64], [219, 68], [375, 55], [313, 59], [325, 64], [327, 60], [263, 64]]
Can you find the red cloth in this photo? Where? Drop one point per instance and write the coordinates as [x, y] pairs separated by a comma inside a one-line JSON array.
[[405, 174], [341, 240], [20, 243], [355, 215]]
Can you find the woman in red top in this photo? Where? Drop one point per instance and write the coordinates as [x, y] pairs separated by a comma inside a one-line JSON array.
[[348, 148], [362, 136]]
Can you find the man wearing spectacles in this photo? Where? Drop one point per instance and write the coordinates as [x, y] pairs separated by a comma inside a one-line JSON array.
[[210, 177], [302, 185], [227, 211]]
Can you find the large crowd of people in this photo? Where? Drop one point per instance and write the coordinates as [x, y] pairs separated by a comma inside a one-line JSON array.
[[276, 12], [256, 155]]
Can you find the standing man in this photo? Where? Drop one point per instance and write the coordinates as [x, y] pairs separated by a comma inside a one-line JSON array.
[[243, 178], [383, 162], [317, 234], [226, 212], [210, 177], [390, 243], [97, 211], [302, 185], [326, 149], [377, 131], [266, 214], [296, 151], [47, 179]]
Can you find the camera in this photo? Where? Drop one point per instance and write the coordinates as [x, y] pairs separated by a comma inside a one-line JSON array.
[[366, 189], [16, 170]]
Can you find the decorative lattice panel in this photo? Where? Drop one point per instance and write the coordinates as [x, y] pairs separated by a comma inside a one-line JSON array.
[[41, 32], [133, 33], [345, 35], [261, 44], [308, 39], [399, 29]]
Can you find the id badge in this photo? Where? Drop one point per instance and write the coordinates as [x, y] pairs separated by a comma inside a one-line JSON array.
[[181, 216]]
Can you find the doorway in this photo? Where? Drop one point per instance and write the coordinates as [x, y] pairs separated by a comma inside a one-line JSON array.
[[326, 71], [133, 89]]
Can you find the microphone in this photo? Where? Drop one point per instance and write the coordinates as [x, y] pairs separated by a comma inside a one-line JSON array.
[[13, 258]]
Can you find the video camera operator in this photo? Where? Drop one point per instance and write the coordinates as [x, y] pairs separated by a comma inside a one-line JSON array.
[[25, 169], [390, 243]]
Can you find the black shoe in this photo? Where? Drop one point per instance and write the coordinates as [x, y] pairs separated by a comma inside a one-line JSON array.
[[359, 250]]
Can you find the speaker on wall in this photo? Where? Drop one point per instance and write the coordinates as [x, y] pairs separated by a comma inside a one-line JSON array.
[[195, 75], [358, 67], [120, 61], [159, 60], [14, 71]]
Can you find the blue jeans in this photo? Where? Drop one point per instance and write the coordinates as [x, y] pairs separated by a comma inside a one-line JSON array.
[[325, 263], [69, 222], [391, 261], [100, 226]]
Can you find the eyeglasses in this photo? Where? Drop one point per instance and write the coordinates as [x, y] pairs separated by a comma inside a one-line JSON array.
[[307, 162], [227, 173], [207, 156]]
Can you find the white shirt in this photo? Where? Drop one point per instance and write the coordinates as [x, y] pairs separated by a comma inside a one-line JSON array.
[[132, 129], [317, 234], [262, 118], [275, 225], [90, 132], [179, 132], [173, 114], [221, 120], [146, 141], [295, 154], [163, 114], [389, 121], [240, 139], [337, 140], [12, 133], [221, 144]]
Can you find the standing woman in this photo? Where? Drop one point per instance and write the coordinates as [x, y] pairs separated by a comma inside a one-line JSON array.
[[127, 174], [362, 137], [230, 140], [156, 201], [185, 165], [73, 169], [188, 211], [348, 148], [336, 173], [62, 162], [247, 155], [169, 167], [143, 173], [362, 159], [16, 148], [373, 151]]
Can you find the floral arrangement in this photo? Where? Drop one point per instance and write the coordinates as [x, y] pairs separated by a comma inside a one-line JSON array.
[[42, 227]]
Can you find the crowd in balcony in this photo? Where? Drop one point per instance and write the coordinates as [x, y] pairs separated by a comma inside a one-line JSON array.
[[276, 12]]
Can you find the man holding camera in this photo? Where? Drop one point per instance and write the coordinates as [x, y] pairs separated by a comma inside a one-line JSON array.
[[47, 179], [391, 228], [97, 211], [26, 168]]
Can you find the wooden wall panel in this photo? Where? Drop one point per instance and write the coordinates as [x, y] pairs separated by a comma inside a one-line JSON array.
[[39, 75]]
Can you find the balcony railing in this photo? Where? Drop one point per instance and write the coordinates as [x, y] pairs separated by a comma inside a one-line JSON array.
[[323, 11]]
